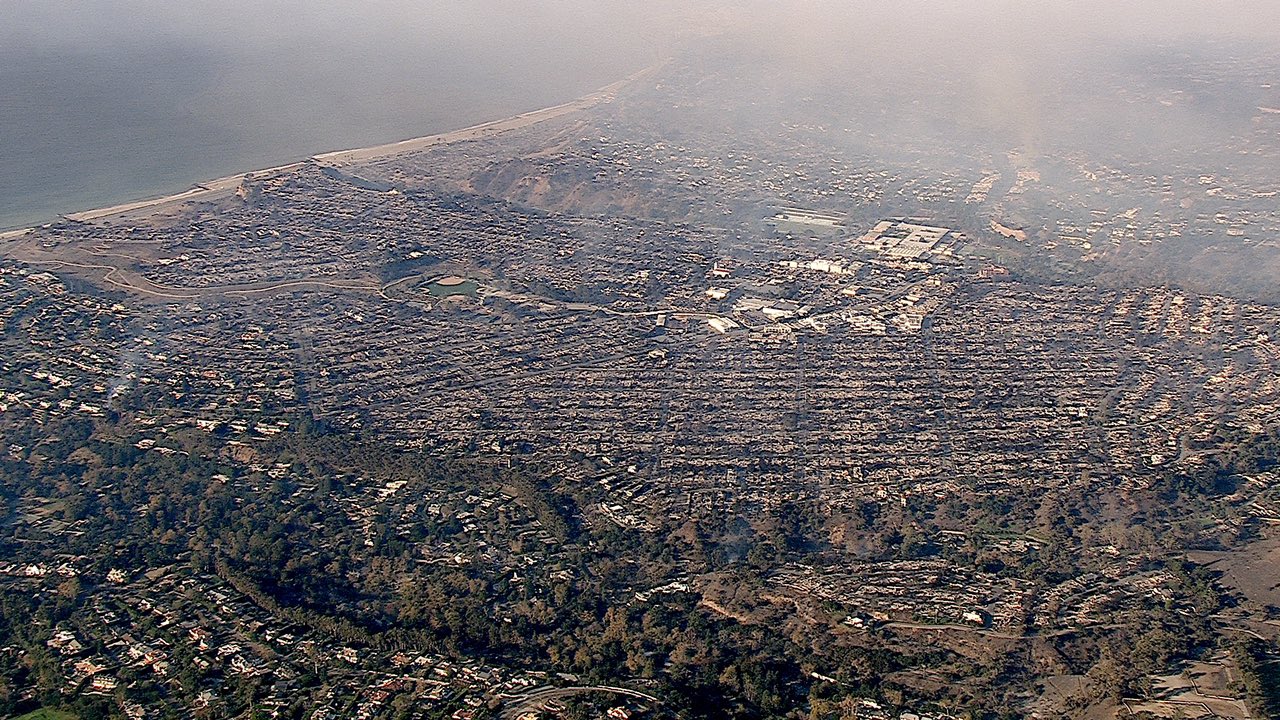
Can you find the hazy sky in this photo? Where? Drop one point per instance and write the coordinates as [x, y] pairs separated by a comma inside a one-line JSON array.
[[108, 99], [554, 42], [624, 22], [247, 23]]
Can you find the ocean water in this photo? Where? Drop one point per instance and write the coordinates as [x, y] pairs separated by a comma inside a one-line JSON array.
[[86, 124]]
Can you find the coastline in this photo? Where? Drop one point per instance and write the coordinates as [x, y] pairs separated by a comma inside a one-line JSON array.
[[340, 158], [220, 187], [205, 190]]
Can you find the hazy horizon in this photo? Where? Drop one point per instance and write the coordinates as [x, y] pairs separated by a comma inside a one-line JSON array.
[[99, 116], [113, 101]]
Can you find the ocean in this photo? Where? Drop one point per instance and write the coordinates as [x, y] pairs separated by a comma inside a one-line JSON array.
[[87, 125]]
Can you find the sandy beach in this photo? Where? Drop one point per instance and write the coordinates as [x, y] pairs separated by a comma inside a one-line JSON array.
[[222, 187], [24, 245], [494, 127]]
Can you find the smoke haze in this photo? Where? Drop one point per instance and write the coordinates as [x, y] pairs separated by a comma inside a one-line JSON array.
[[108, 100]]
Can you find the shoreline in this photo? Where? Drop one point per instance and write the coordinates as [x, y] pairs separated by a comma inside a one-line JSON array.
[[210, 189], [206, 189], [340, 158]]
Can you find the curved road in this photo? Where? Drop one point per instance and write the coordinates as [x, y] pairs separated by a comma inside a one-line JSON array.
[[533, 700]]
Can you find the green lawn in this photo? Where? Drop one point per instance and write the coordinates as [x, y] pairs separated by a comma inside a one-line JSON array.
[[47, 714]]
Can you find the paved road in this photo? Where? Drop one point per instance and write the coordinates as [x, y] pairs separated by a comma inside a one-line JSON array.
[[536, 698]]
